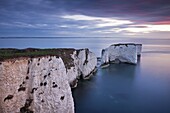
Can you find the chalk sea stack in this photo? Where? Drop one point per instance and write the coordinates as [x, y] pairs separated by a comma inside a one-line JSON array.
[[123, 52]]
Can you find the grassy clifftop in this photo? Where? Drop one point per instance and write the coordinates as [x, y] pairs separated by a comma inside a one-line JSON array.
[[9, 53]]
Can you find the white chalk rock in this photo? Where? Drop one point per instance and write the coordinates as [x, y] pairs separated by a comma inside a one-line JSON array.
[[42, 84], [87, 63], [72, 71], [139, 49], [80, 63], [36, 85], [105, 56], [121, 53]]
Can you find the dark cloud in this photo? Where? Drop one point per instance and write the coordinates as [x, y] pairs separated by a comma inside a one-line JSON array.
[[133, 9], [22, 15]]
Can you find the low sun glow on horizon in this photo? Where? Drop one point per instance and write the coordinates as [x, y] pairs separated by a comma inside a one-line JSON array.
[[117, 25]]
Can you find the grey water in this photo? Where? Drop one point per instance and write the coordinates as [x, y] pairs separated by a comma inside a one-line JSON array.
[[124, 88], [119, 88]]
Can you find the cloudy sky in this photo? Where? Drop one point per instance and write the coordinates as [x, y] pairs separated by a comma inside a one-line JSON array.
[[85, 18]]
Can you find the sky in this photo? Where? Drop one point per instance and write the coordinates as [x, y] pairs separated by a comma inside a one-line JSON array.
[[85, 18]]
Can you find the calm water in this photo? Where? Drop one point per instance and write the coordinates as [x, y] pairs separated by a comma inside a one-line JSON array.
[[144, 88], [120, 88]]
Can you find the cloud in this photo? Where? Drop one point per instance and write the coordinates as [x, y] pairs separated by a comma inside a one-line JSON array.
[[92, 17], [100, 21], [147, 28], [116, 25], [150, 10], [136, 10]]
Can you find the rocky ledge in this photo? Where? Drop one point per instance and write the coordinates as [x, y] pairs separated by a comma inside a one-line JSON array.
[[116, 53], [41, 84]]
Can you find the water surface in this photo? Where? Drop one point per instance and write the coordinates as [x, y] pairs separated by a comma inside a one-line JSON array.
[[124, 88]]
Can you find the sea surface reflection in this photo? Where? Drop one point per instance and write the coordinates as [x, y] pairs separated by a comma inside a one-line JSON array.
[[124, 88]]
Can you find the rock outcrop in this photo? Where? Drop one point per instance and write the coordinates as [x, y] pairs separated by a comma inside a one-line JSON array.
[[42, 84], [87, 62], [139, 49], [117, 53]]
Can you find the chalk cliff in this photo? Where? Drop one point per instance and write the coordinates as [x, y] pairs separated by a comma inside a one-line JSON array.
[[42, 84], [121, 53]]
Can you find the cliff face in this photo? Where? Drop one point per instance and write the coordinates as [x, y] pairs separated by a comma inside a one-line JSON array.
[[87, 62], [42, 84], [121, 53]]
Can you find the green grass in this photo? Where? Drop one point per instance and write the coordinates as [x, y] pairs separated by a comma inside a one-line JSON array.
[[10, 53]]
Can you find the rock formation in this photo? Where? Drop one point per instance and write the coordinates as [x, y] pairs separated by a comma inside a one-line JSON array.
[[42, 84], [139, 49], [117, 53]]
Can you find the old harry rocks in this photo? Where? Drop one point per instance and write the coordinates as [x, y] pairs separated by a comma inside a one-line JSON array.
[[116, 53]]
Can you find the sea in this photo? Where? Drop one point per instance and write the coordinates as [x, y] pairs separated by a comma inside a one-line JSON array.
[[119, 88]]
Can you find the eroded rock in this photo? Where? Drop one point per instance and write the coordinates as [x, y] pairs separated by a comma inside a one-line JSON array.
[[117, 53], [32, 96], [42, 84]]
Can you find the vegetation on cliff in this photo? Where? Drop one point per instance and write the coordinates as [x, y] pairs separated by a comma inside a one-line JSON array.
[[10, 53]]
